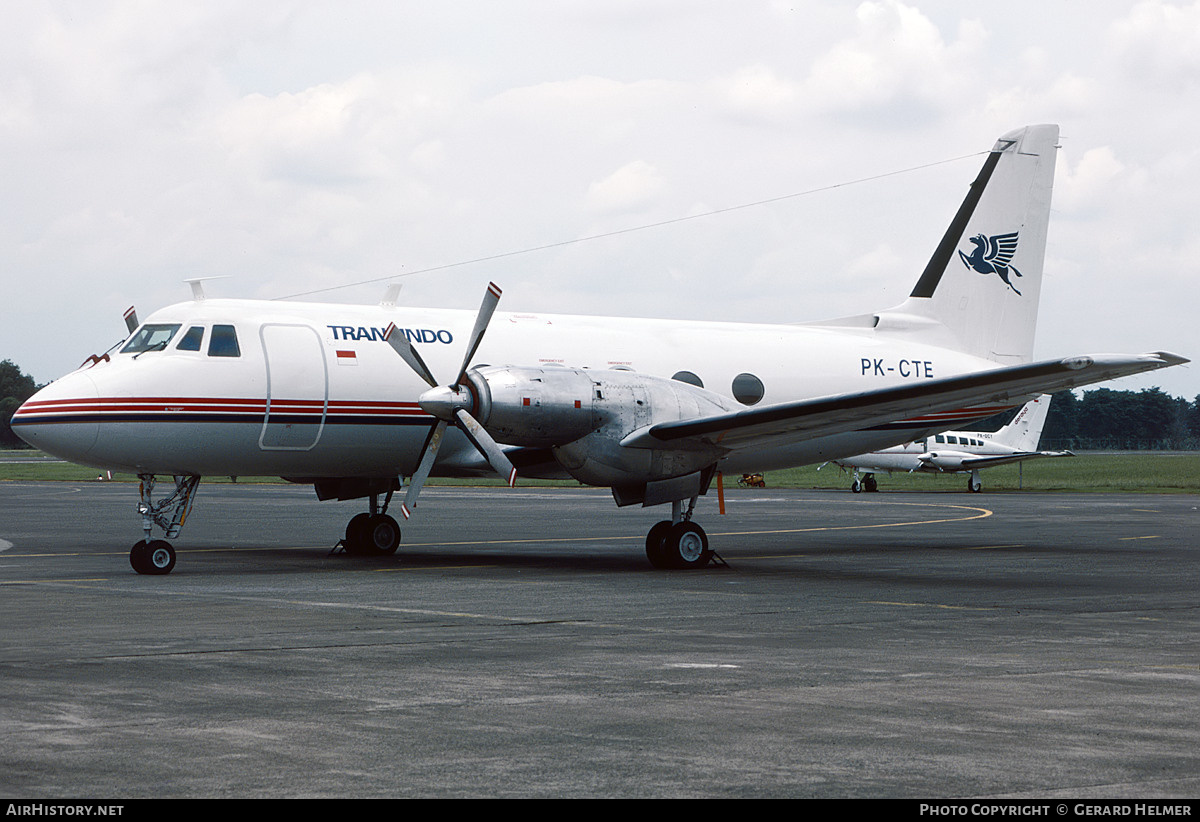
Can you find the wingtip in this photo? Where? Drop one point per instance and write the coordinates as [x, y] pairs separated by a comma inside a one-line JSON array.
[[1171, 359]]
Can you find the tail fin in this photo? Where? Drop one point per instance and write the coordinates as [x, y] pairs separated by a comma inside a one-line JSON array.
[[1025, 430], [979, 292]]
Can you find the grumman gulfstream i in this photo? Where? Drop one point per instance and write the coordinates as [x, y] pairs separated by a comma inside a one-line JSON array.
[[366, 401], [959, 452]]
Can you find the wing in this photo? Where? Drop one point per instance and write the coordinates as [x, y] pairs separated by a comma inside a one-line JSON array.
[[989, 462], [976, 395], [1002, 248]]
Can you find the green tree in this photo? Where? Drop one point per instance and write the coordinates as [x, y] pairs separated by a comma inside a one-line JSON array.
[[1193, 418], [15, 388]]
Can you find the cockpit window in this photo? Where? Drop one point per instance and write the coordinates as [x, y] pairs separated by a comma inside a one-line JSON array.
[[191, 340], [223, 342], [151, 338]]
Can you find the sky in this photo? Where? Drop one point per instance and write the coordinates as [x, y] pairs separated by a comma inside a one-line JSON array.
[[328, 149]]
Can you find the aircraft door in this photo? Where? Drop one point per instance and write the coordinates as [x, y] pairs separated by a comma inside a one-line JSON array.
[[297, 387]]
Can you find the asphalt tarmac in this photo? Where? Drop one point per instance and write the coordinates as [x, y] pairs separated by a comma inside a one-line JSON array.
[[924, 645]]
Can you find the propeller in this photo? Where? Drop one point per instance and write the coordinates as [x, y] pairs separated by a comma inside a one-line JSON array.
[[131, 320], [449, 404]]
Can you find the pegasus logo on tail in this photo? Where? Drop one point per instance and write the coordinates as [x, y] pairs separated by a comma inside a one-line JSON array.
[[992, 256]]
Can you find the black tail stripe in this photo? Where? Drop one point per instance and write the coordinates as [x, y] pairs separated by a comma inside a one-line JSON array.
[[941, 257]]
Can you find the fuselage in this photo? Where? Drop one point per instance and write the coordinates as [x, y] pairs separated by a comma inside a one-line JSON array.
[[312, 389]]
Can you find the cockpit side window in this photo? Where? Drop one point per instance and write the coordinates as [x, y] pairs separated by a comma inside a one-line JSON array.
[[223, 342], [151, 337], [192, 339]]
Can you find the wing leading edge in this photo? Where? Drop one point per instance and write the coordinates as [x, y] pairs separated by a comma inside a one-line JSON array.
[[792, 422]]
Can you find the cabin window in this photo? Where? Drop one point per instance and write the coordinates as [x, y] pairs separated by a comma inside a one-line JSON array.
[[952, 440], [689, 378], [940, 438], [192, 339], [747, 389], [151, 338], [223, 342]]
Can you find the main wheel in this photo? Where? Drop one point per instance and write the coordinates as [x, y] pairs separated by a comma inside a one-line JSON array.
[[656, 545], [382, 535], [356, 534], [974, 485], [869, 483], [155, 558], [372, 535], [686, 546]]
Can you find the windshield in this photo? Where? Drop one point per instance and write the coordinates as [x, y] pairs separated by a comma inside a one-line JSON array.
[[150, 338]]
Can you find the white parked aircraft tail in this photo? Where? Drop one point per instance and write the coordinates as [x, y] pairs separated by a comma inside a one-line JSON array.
[[1025, 430]]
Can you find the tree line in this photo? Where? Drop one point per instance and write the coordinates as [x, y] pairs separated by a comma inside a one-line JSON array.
[[1106, 420], [1100, 419]]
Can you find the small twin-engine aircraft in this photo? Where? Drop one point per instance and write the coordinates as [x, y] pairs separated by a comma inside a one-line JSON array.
[[356, 400], [959, 452]]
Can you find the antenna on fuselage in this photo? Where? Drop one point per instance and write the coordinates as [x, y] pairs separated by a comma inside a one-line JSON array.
[[389, 296], [197, 284]]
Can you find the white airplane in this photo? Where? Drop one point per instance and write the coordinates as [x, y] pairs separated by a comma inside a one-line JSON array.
[[959, 452], [338, 396]]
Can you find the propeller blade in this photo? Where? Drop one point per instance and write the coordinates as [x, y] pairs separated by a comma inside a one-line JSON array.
[[486, 309], [417, 481], [486, 446], [131, 320], [398, 340]]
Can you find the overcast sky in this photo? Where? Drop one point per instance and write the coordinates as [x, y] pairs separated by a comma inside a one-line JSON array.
[[306, 145]]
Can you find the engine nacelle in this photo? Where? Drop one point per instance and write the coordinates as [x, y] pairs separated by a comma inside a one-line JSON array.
[[944, 460], [583, 415], [535, 407]]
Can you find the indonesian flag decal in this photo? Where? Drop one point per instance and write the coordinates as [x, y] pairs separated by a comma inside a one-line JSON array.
[[347, 357]]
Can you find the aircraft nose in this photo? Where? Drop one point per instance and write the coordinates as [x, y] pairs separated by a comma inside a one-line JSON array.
[[60, 419]]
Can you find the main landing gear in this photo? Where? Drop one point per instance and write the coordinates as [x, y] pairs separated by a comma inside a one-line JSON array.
[[372, 534], [678, 543], [867, 484], [157, 557], [974, 484]]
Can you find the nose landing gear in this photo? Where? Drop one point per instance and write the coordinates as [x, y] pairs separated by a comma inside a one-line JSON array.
[[157, 557]]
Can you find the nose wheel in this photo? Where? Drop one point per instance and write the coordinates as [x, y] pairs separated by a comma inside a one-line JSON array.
[[154, 557]]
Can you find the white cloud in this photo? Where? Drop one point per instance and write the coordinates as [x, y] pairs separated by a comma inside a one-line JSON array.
[[897, 61], [1160, 41], [630, 188]]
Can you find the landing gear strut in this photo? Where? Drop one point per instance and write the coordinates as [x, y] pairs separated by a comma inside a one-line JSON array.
[[678, 543], [157, 557], [374, 533]]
